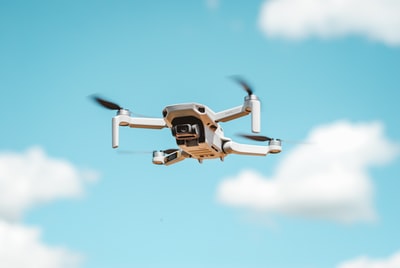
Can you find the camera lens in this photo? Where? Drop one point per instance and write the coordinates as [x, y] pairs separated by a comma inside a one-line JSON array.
[[183, 128]]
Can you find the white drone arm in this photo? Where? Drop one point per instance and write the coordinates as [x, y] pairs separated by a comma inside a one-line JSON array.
[[255, 107], [247, 149], [133, 122], [251, 105], [232, 113]]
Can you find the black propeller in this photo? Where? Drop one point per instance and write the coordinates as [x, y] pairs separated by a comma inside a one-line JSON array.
[[256, 137], [106, 104], [244, 84], [265, 138]]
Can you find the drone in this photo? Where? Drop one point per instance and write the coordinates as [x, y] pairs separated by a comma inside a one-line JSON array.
[[197, 130]]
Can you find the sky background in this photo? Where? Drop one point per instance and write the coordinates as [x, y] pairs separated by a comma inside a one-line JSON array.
[[327, 72]]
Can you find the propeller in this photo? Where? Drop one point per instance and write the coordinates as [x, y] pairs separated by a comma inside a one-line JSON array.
[[244, 84], [106, 104], [113, 106], [266, 138], [252, 103], [256, 137]]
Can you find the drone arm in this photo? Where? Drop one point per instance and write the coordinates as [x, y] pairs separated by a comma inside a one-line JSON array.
[[115, 132], [255, 107], [251, 105], [247, 149], [232, 113], [150, 123], [133, 122]]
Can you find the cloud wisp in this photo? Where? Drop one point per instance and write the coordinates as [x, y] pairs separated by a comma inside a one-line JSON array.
[[377, 20], [366, 262], [212, 4], [326, 180]]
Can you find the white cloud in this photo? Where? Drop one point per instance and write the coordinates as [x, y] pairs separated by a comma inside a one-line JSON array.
[[328, 179], [20, 247], [28, 179], [365, 262], [31, 178], [297, 19]]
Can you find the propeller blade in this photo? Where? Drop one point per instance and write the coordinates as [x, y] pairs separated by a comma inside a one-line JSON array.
[[244, 84], [106, 104], [255, 137], [265, 138]]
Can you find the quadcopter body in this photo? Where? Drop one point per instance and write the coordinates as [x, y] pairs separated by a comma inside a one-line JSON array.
[[197, 130]]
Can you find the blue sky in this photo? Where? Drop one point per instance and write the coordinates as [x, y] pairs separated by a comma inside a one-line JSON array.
[[326, 72]]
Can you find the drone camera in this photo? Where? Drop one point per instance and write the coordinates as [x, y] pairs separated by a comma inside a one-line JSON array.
[[186, 131]]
